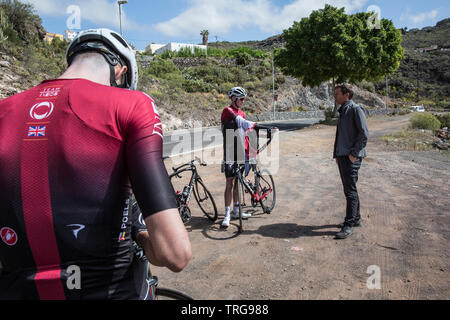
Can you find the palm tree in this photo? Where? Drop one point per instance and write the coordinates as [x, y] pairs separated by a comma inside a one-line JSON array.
[[205, 34]]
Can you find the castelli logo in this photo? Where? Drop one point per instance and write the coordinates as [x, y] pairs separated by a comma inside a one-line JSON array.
[[41, 110], [9, 236]]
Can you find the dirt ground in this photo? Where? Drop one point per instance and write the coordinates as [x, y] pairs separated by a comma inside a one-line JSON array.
[[292, 253]]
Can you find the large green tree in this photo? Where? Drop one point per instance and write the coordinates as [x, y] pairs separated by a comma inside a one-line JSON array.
[[331, 45]]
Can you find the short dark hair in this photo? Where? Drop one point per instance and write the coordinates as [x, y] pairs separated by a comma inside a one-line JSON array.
[[345, 90]]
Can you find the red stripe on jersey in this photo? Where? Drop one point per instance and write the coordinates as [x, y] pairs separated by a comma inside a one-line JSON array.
[[37, 212]]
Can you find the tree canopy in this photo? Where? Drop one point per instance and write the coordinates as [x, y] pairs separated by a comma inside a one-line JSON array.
[[330, 44]]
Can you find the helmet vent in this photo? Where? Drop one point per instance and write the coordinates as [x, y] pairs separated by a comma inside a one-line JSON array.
[[120, 39]]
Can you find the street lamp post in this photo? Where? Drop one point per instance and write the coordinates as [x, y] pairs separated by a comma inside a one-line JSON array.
[[120, 12]]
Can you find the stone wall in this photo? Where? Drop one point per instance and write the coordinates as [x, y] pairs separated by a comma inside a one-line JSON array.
[[319, 114], [269, 116], [183, 63]]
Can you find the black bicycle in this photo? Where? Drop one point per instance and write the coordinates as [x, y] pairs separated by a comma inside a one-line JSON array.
[[151, 289], [261, 188], [202, 195]]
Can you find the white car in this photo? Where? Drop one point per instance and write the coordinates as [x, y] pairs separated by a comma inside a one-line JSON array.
[[418, 108]]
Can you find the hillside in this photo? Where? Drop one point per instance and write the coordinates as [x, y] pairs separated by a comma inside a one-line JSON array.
[[192, 89], [418, 38], [428, 71]]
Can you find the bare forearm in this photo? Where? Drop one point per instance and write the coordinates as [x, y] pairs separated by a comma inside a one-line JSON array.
[[143, 240]]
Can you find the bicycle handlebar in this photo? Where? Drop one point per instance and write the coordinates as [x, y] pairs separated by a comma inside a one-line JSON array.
[[190, 163], [269, 137]]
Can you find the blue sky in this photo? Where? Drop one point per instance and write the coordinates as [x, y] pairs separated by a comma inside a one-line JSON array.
[[166, 21]]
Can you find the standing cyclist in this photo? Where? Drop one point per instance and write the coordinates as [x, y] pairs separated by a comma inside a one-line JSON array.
[[236, 148], [70, 153]]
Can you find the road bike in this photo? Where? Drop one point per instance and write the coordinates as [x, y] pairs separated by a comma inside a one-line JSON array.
[[202, 195], [261, 188]]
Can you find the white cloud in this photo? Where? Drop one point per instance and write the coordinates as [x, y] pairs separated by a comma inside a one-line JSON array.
[[222, 16], [419, 18], [100, 12]]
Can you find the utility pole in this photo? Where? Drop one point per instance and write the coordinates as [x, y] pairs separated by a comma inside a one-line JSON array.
[[417, 82], [120, 13], [387, 92], [273, 87]]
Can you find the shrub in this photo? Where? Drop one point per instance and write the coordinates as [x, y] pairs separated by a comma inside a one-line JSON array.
[[197, 86], [225, 87], [209, 73], [24, 22], [243, 58], [175, 80], [160, 68], [425, 121], [444, 119], [369, 86]]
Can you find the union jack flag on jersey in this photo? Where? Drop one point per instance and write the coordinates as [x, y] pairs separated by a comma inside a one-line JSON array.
[[38, 131]]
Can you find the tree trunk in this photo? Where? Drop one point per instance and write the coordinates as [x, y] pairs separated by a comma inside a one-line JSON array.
[[335, 104]]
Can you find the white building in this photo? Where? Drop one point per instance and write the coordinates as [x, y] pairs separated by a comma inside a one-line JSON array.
[[70, 35], [151, 48], [173, 46]]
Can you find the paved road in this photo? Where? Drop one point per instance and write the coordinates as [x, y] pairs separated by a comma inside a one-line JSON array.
[[188, 140]]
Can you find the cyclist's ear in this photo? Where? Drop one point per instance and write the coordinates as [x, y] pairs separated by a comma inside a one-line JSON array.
[[120, 71]]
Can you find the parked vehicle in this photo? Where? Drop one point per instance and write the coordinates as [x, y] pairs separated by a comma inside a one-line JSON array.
[[417, 108]]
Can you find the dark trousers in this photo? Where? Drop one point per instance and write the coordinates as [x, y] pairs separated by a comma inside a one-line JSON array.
[[349, 178]]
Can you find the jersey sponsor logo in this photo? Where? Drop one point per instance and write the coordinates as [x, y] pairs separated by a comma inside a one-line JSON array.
[[9, 236], [50, 92], [157, 129], [141, 219], [122, 236], [36, 131], [155, 109], [41, 110], [78, 228], [125, 215]]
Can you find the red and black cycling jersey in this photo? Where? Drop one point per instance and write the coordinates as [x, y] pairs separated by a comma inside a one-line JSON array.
[[70, 151], [235, 126]]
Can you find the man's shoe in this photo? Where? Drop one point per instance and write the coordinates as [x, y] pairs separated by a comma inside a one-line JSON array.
[[235, 215], [357, 224], [344, 233], [226, 221]]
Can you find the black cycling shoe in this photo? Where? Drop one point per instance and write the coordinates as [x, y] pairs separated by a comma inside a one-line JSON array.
[[344, 233], [357, 224]]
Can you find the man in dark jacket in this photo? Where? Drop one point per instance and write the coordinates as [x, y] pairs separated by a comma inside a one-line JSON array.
[[349, 150]]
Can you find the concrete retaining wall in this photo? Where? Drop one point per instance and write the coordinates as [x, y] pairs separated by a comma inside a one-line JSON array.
[[319, 114]]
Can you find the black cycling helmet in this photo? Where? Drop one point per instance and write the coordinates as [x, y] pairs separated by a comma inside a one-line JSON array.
[[113, 47]]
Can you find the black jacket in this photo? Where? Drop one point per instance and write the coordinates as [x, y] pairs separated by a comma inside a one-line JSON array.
[[351, 132]]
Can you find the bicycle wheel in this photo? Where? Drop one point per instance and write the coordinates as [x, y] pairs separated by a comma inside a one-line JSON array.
[[267, 187], [205, 200], [169, 294], [240, 187]]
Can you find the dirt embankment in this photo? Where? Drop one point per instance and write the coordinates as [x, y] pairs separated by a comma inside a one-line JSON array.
[[292, 253]]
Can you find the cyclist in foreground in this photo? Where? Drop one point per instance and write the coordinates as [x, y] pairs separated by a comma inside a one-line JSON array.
[[234, 124], [72, 149]]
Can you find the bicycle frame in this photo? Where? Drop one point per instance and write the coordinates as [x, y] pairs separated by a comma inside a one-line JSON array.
[[195, 176], [254, 192]]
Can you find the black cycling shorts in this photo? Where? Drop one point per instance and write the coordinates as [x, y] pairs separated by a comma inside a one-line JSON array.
[[229, 170]]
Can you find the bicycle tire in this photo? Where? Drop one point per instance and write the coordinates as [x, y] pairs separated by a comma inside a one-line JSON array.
[[211, 215], [267, 207], [171, 294], [240, 186]]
